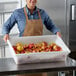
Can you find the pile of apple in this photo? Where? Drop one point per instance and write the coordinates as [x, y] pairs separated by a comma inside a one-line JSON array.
[[20, 48]]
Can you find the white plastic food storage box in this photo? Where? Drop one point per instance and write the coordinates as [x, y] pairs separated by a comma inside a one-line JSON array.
[[41, 56]]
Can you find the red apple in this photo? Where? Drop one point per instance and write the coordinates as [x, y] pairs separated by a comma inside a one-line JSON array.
[[25, 46], [33, 50], [31, 45], [15, 49], [59, 48], [44, 43], [23, 51], [47, 49]]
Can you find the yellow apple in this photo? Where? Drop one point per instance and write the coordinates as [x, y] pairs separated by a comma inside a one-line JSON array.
[[54, 47], [19, 44], [20, 48]]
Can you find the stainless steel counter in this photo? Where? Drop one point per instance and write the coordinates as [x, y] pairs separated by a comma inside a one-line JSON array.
[[8, 67]]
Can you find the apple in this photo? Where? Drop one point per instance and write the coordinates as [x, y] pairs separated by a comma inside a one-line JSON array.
[[19, 44], [15, 49], [18, 52], [20, 48], [31, 45], [33, 51], [59, 48], [47, 50], [25, 46], [23, 51], [38, 45], [27, 52], [30, 50], [44, 45], [52, 44], [56, 48]]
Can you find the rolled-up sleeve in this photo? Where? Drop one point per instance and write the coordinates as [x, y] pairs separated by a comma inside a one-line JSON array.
[[50, 25], [7, 26]]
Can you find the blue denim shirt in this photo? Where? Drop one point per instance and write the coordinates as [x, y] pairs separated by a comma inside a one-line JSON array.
[[19, 17]]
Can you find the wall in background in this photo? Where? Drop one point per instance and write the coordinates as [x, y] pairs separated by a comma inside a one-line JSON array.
[[6, 9]]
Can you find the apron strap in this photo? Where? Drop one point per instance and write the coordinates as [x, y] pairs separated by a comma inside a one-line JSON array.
[[39, 14], [25, 13]]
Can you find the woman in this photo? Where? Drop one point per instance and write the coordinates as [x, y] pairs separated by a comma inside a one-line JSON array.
[[30, 20]]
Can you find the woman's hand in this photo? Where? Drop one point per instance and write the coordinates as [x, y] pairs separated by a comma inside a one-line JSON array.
[[6, 37], [59, 34]]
